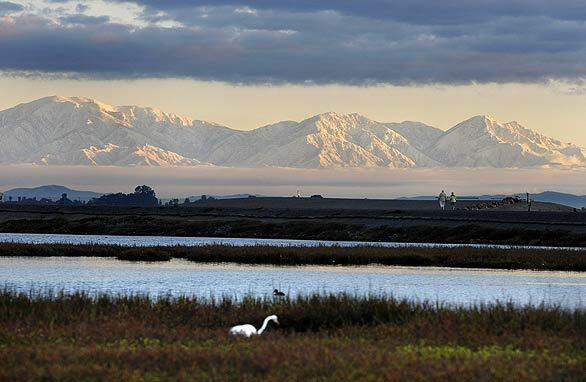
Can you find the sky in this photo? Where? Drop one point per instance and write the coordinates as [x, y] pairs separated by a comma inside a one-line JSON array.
[[246, 63]]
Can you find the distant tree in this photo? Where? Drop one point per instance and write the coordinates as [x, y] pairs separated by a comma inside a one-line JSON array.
[[144, 190], [142, 196], [186, 201], [64, 200], [172, 202]]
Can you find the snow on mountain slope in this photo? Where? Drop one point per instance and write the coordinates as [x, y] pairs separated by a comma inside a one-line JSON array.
[[81, 131], [75, 130], [325, 140], [418, 134], [110, 154], [482, 141]]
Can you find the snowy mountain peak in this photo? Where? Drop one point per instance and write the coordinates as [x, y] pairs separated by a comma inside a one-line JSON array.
[[487, 118], [61, 130], [330, 117], [482, 141], [77, 102], [122, 113], [478, 122]]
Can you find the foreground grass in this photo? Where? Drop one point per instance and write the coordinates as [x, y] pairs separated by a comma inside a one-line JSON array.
[[565, 260], [334, 338]]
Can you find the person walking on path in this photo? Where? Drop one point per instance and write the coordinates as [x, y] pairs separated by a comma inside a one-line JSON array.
[[442, 200], [453, 201]]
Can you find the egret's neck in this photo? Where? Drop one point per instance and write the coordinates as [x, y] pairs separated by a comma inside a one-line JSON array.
[[264, 326]]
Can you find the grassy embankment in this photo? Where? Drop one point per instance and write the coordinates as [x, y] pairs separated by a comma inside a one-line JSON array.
[[334, 338], [565, 260], [293, 229]]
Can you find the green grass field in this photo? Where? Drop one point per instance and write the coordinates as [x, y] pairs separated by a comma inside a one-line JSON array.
[[332, 338]]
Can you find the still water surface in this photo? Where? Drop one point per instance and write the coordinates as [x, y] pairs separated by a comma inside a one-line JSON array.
[[150, 241], [181, 277]]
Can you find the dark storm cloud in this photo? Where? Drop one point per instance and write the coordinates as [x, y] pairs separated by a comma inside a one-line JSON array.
[[352, 42]]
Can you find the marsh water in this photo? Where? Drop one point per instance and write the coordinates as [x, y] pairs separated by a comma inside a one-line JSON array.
[[181, 277], [148, 241]]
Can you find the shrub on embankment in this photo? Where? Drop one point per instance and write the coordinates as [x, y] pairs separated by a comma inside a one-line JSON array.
[[428, 231]]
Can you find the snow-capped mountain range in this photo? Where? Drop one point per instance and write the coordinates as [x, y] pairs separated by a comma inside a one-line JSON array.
[[81, 131]]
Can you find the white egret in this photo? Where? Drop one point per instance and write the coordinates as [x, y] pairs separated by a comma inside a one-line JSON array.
[[248, 330]]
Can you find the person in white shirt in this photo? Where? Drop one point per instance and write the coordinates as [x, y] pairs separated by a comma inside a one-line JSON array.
[[442, 199]]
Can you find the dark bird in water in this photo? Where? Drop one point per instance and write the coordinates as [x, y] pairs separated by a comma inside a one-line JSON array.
[[277, 292]]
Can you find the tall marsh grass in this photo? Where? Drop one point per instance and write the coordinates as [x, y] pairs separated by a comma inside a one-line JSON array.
[[83, 337], [545, 259], [303, 313]]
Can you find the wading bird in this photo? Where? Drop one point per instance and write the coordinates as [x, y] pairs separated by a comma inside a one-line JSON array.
[[248, 330], [277, 292]]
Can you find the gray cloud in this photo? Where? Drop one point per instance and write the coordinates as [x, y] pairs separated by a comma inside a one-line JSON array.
[[84, 20], [8, 7], [412, 11], [366, 42], [81, 7]]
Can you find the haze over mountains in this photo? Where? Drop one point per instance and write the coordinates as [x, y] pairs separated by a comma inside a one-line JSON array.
[[81, 131]]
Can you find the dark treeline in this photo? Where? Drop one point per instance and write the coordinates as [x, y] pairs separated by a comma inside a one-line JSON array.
[[63, 201], [143, 196], [564, 260]]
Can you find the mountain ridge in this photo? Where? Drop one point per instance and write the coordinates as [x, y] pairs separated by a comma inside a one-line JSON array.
[[60, 130], [52, 192]]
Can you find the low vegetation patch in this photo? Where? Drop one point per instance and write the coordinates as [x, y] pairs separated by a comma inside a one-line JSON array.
[[143, 254], [80, 337], [542, 259], [311, 229]]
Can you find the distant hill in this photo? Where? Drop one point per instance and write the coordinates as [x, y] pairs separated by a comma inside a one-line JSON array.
[[571, 200], [235, 196], [52, 192]]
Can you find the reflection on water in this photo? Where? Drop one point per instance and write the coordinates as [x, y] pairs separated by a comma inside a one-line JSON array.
[[150, 241], [180, 277]]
